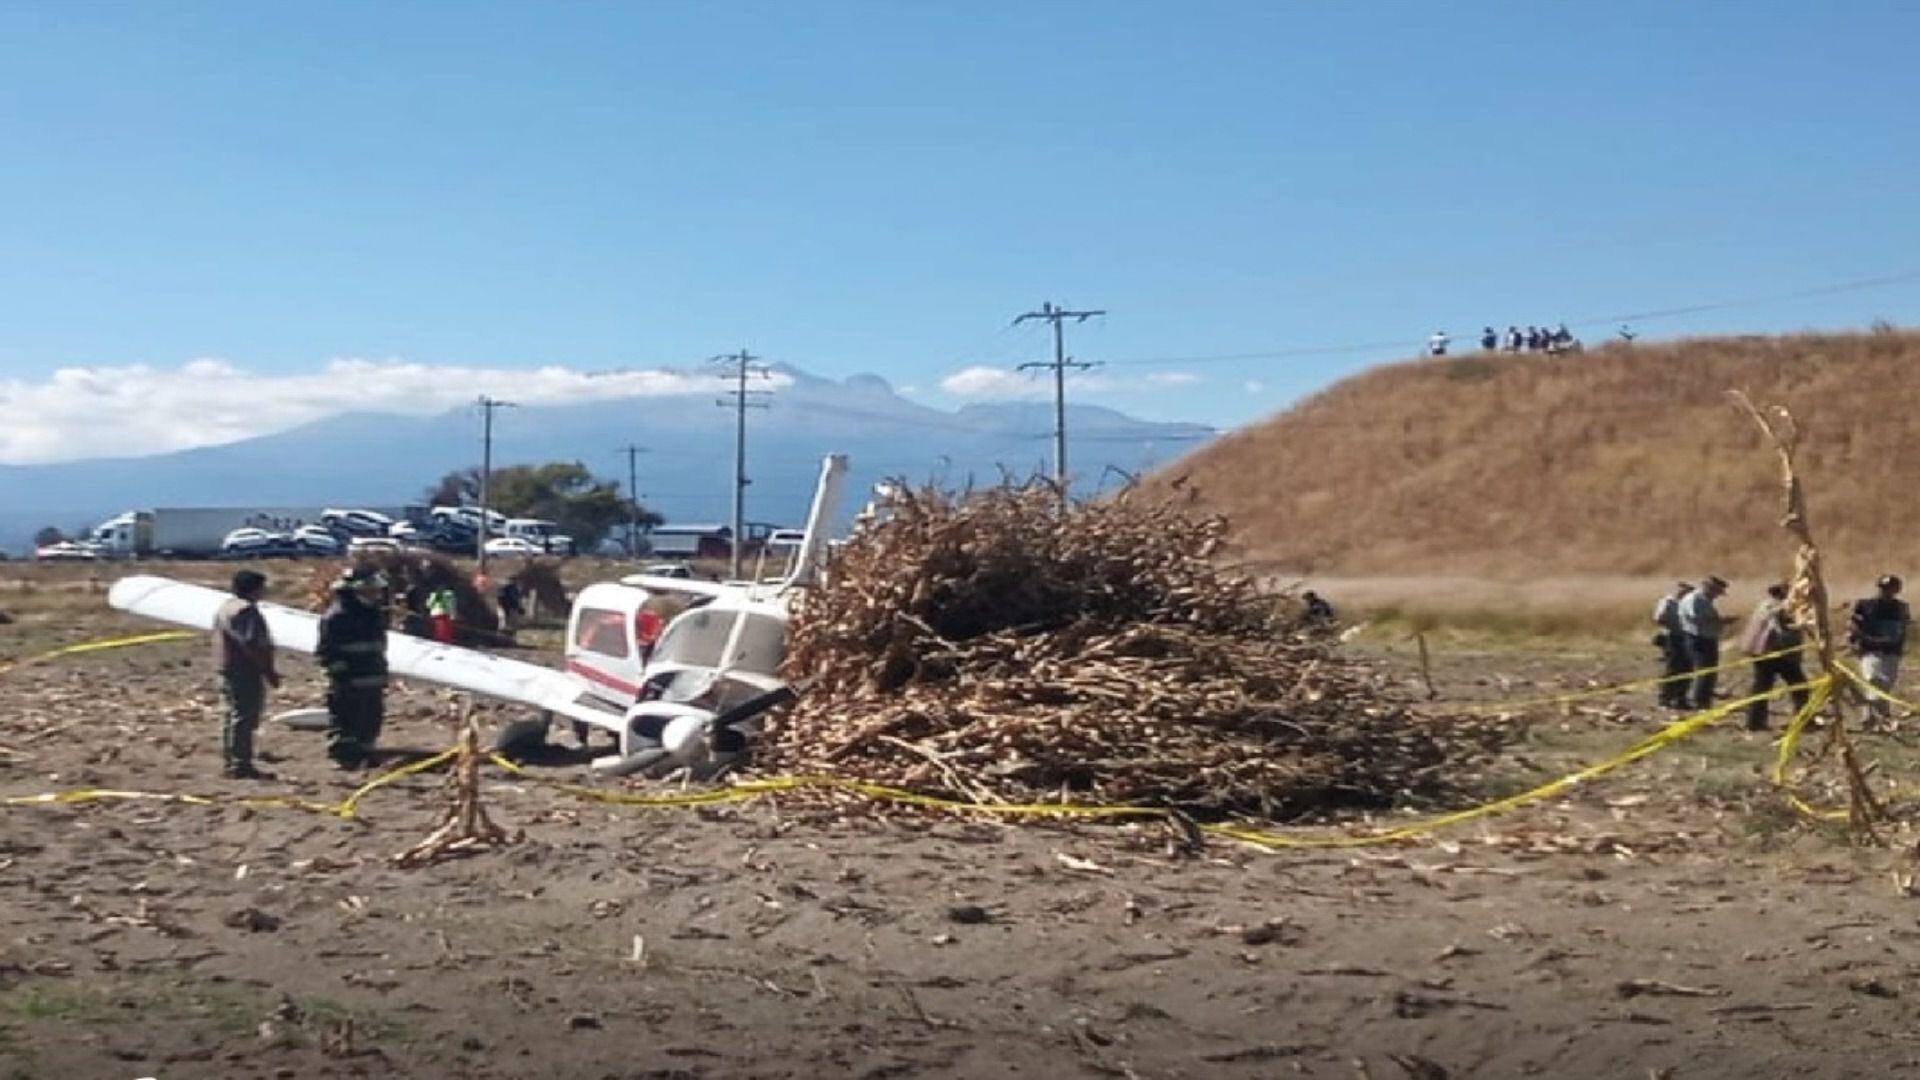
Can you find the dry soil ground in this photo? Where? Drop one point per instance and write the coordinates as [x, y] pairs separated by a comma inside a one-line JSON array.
[[1670, 922]]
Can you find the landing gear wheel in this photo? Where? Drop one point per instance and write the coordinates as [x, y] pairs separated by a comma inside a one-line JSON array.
[[522, 738]]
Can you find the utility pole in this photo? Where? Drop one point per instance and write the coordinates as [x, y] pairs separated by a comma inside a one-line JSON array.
[[633, 453], [487, 406], [1058, 315], [740, 399]]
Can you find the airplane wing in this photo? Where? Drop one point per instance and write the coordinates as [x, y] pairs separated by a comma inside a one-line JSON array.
[[449, 665], [687, 586]]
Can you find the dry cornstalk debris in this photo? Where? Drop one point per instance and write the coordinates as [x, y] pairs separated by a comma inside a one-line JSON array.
[[990, 647], [1809, 602], [467, 827]]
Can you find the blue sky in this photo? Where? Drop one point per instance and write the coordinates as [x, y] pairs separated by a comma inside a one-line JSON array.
[[880, 187]]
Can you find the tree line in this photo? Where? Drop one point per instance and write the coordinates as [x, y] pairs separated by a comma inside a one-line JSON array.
[[564, 492]]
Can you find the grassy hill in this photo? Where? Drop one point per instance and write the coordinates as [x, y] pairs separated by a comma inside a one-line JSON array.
[[1622, 461]]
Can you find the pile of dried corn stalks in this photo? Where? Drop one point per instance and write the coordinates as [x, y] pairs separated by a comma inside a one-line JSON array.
[[989, 647]]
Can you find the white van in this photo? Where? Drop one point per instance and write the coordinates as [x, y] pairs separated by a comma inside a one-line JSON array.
[[544, 535]]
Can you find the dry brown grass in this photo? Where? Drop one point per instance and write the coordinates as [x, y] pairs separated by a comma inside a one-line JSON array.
[[1624, 461]]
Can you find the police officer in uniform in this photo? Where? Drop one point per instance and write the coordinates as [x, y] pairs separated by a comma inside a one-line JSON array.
[[353, 651]]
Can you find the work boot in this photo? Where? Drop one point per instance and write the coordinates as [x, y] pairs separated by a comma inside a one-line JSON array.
[[246, 772]]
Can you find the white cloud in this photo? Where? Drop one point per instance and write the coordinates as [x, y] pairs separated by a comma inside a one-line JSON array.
[[1255, 386], [981, 381], [139, 410]]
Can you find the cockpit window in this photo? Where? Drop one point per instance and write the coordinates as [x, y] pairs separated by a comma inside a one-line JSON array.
[[700, 639], [601, 631]]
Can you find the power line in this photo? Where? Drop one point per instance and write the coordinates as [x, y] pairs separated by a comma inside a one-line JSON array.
[[1058, 316], [745, 365]]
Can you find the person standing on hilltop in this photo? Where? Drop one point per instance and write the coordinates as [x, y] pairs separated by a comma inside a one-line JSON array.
[[1771, 630], [243, 654], [353, 650], [1437, 344], [1878, 632], [1488, 339], [1672, 644], [1513, 339], [1700, 624]]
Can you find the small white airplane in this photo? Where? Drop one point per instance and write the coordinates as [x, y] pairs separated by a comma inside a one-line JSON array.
[[677, 689]]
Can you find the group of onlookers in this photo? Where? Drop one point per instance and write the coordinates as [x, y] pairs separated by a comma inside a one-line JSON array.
[[1533, 339], [1691, 627]]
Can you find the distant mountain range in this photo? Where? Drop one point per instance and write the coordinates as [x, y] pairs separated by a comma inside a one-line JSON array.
[[372, 459]]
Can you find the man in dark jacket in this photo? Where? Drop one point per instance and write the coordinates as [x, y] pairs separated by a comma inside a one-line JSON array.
[[353, 651], [1878, 632], [243, 655], [1673, 647]]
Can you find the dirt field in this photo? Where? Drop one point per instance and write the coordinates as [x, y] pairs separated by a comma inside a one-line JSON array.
[[1673, 921]]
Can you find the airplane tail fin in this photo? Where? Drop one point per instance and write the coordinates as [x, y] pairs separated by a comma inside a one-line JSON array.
[[826, 501]]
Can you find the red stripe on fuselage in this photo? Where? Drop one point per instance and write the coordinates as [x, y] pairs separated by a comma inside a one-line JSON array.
[[594, 674]]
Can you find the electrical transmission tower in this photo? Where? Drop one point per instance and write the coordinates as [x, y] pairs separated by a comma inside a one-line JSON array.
[[744, 366], [487, 406], [633, 452], [1060, 363]]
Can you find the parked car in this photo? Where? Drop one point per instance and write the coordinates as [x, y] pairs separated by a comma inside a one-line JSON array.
[[468, 517], [255, 544], [670, 570], [316, 541], [512, 545], [356, 522], [370, 545], [66, 551]]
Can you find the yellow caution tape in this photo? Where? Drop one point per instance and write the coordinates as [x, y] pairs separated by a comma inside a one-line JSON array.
[[750, 789], [1666, 736], [1859, 678], [1790, 743], [1619, 688], [87, 795], [99, 644], [348, 806]]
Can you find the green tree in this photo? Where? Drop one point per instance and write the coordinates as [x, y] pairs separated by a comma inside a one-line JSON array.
[[563, 492], [48, 535]]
